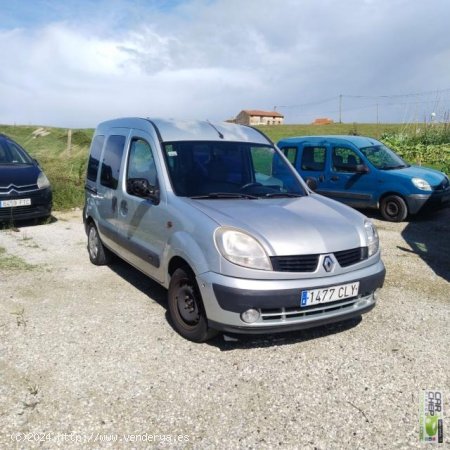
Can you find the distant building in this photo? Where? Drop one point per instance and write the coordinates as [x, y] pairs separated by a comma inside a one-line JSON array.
[[258, 117], [322, 121]]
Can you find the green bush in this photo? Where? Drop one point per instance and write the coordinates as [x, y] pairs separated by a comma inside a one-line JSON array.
[[428, 145]]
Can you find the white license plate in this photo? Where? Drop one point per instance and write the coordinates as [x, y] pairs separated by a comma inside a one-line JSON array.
[[329, 294], [18, 202]]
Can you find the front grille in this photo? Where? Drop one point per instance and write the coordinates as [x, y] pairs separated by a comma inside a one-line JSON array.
[[291, 313], [346, 258], [18, 190], [308, 263], [298, 263], [18, 195]]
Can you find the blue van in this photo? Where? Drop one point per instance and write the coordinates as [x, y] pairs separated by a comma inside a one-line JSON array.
[[362, 172]]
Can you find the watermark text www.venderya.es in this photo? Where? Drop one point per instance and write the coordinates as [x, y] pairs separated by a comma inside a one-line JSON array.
[[84, 438]]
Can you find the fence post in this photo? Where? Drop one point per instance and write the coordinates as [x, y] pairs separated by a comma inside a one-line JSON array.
[[69, 141]]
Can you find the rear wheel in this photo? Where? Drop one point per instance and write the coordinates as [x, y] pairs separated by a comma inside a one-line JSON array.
[[394, 208], [186, 307], [98, 253]]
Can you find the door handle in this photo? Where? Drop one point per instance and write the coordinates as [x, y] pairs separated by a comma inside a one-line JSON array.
[[334, 178], [94, 192], [123, 207]]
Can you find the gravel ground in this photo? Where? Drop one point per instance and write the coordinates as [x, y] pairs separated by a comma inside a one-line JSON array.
[[88, 358]]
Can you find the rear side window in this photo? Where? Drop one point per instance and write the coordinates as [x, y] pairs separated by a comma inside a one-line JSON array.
[[94, 157], [313, 158], [109, 175], [290, 153]]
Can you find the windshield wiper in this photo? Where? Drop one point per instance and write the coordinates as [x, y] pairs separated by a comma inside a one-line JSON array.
[[400, 166], [221, 195], [281, 194]]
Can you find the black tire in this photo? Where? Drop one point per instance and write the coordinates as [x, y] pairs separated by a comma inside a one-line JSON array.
[[98, 253], [186, 307], [393, 208]]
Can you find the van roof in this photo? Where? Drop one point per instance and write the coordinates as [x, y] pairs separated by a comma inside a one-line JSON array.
[[358, 141], [169, 130]]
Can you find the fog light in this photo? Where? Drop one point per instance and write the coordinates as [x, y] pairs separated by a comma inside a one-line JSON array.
[[250, 316], [375, 294]]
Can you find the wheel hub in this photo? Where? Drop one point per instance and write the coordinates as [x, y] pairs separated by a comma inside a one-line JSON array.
[[392, 209], [93, 243], [187, 305]]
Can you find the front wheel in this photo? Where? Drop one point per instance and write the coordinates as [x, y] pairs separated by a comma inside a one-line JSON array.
[[186, 307], [393, 208], [98, 253]]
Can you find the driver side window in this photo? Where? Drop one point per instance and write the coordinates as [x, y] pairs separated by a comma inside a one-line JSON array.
[[140, 162], [345, 159]]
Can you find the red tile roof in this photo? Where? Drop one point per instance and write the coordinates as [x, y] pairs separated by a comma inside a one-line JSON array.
[[322, 121], [258, 112]]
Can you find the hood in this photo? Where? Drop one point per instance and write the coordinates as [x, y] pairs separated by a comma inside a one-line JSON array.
[[433, 177], [304, 225], [18, 175]]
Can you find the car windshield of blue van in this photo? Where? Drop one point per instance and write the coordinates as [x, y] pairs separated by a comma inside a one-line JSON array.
[[383, 157], [220, 170], [11, 153]]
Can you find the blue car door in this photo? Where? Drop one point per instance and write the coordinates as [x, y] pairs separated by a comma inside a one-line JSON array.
[[348, 178], [311, 163]]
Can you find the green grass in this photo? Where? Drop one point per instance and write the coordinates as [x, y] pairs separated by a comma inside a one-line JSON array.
[[11, 262], [277, 132], [423, 144]]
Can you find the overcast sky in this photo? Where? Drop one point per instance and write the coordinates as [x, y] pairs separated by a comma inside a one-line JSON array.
[[74, 63]]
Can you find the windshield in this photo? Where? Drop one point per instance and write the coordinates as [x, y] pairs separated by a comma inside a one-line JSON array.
[[11, 153], [383, 157], [203, 169]]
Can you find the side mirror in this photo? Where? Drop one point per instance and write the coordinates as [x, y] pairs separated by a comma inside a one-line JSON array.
[[140, 187], [362, 168], [311, 183]]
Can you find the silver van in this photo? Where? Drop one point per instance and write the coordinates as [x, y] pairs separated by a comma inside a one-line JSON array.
[[216, 214]]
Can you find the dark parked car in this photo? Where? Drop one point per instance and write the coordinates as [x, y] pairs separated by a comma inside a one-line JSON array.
[[25, 191]]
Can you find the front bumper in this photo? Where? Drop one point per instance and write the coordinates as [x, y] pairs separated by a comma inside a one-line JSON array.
[[41, 206], [428, 202], [278, 301]]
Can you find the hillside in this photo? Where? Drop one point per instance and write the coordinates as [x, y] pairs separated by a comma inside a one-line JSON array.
[[66, 166]]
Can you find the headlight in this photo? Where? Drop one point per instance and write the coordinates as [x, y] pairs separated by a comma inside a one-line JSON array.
[[372, 237], [419, 183], [241, 249], [42, 181]]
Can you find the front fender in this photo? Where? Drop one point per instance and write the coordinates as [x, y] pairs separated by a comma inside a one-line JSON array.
[[393, 188], [200, 257]]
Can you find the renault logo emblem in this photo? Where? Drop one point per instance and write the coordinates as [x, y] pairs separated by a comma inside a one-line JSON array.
[[328, 263]]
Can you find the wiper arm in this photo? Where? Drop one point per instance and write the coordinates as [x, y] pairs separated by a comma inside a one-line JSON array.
[[281, 194], [400, 166], [220, 195]]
